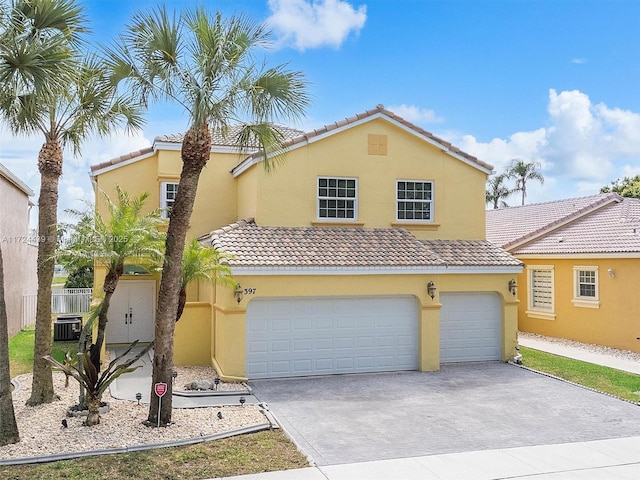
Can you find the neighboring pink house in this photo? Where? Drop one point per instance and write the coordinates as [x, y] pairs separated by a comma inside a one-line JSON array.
[[19, 251]]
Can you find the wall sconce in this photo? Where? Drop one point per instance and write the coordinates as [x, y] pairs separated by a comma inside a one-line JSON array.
[[611, 273], [431, 289], [237, 294], [513, 287]]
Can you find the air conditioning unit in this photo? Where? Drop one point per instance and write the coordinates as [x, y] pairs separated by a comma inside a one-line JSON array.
[[67, 328]]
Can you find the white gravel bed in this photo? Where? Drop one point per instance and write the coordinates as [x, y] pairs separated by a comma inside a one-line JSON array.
[[587, 347], [42, 433]]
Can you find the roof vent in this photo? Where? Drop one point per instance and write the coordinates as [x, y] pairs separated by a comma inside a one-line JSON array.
[[561, 239], [380, 106]]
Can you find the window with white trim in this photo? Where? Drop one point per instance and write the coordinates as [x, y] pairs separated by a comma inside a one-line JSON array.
[[541, 291], [168, 192], [585, 286], [337, 198], [414, 200]]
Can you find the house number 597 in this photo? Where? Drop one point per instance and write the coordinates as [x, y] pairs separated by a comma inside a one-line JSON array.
[[249, 291]]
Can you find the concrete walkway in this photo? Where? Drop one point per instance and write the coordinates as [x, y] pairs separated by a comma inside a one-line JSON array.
[[612, 459], [580, 354]]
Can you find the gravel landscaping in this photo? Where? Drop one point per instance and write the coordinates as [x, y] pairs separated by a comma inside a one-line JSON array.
[[42, 432]]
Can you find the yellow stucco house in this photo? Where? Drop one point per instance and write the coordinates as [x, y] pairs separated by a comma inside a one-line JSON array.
[[582, 258], [364, 251]]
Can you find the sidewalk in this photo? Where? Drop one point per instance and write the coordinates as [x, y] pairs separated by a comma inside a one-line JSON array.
[[613, 459], [603, 459], [580, 354]]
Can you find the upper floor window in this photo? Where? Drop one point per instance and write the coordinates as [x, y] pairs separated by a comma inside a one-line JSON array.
[[337, 198], [168, 193], [541, 291], [585, 287], [414, 200]]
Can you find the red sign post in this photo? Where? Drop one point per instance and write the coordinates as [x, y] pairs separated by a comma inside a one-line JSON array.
[[160, 389]]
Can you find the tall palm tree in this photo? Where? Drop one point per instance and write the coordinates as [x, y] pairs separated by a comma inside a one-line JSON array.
[[523, 172], [49, 89], [8, 426], [497, 192], [204, 64], [202, 263]]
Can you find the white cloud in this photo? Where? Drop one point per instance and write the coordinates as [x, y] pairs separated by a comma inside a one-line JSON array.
[[304, 24], [579, 61], [583, 148], [415, 114]]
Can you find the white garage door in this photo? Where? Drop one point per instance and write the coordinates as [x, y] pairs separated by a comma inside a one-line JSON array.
[[470, 327], [289, 337]]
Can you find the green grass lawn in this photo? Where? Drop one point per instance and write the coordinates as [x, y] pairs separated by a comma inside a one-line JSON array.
[[245, 454], [608, 380]]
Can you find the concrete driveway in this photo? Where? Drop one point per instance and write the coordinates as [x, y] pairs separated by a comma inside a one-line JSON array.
[[463, 407]]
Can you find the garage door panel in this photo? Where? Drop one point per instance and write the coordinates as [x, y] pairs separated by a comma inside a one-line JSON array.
[[331, 335], [470, 327]]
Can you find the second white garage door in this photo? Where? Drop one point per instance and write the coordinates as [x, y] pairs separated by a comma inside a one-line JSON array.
[[289, 337], [470, 327]]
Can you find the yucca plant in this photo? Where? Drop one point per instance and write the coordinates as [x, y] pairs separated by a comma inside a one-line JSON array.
[[91, 380]]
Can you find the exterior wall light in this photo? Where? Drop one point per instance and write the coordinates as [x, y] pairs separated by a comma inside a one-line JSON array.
[[513, 287], [237, 294], [611, 273], [431, 289]]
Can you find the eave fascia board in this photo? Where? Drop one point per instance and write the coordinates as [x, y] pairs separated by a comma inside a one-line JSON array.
[[440, 270], [124, 163], [578, 256]]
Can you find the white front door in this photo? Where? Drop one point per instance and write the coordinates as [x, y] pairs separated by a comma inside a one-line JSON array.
[[289, 337], [132, 312]]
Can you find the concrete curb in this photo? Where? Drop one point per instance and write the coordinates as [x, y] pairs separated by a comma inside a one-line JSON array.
[[137, 448]]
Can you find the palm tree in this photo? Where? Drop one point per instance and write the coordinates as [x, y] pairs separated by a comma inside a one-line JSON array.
[[127, 233], [203, 63], [49, 89], [497, 192], [8, 426], [202, 263], [523, 172]]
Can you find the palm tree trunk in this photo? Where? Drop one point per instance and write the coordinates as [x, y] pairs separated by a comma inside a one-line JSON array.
[[50, 167], [110, 284], [93, 416], [182, 301], [196, 148], [8, 426]]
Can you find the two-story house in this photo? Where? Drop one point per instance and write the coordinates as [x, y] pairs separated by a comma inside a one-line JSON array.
[[19, 249], [364, 251]]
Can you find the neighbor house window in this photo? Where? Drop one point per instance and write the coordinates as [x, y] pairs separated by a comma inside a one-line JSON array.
[[168, 193], [337, 198], [585, 287], [541, 292], [414, 200]]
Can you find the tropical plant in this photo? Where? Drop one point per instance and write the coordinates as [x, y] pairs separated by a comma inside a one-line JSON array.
[[627, 187], [81, 277], [94, 383], [127, 233], [497, 192], [202, 263], [204, 64], [48, 88], [8, 426], [523, 172]]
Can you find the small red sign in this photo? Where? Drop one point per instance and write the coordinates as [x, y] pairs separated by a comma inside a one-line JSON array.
[[160, 389]]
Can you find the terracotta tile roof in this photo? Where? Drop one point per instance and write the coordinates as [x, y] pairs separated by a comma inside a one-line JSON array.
[[511, 226], [471, 253], [122, 158], [255, 246], [229, 139], [305, 137], [614, 228]]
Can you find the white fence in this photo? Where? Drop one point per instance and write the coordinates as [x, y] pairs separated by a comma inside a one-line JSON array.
[[63, 300]]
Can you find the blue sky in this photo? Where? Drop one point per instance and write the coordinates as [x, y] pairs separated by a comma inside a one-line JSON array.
[[556, 82]]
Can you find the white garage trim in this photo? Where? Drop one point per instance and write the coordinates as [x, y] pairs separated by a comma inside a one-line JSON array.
[[470, 327], [289, 337]]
